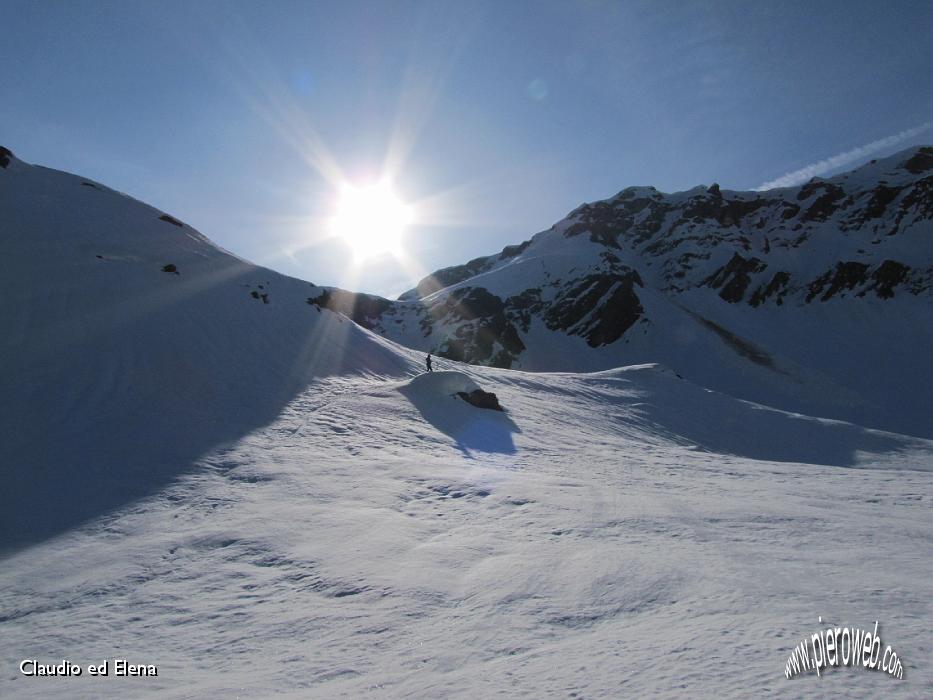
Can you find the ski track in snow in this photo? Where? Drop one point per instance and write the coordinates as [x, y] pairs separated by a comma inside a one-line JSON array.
[[351, 548]]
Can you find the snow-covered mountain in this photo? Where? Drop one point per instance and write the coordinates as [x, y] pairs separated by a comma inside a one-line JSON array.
[[814, 298], [204, 472], [134, 344]]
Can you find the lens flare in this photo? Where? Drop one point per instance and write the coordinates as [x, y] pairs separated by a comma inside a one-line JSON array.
[[371, 220]]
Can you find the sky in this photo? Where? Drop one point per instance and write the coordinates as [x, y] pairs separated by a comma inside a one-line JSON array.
[[491, 119]]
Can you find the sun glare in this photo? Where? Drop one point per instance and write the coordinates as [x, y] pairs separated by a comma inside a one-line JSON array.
[[371, 220]]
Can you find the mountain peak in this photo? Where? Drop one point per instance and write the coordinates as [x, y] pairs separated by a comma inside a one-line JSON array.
[[770, 280]]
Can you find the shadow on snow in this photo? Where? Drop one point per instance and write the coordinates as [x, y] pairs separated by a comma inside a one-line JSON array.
[[471, 428]]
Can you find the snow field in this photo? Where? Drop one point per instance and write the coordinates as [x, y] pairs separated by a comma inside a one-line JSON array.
[[352, 548]]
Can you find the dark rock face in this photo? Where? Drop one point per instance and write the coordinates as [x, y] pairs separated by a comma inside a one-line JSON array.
[[510, 251], [598, 307], [918, 201], [5, 155], [486, 329], [473, 303], [921, 161], [824, 205], [481, 399], [522, 306], [777, 286], [170, 219], [364, 309], [845, 276], [881, 198], [608, 222], [487, 322], [725, 212], [733, 278], [170, 268], [886, 278]]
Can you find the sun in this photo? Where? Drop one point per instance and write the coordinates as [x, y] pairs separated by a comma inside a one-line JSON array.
[[371, 220]]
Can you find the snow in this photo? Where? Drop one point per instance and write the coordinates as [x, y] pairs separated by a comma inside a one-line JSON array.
[[434, 395], [266, 500], [133, 371], [355, 547]]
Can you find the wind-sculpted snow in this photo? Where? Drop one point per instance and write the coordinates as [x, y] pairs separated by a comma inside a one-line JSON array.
[[634, 540]]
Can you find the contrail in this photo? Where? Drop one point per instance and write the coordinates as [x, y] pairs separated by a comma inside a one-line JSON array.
[[842, 159]]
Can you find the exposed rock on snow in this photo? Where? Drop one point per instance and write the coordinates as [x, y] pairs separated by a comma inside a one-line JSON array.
[[921, 161], [171, 220], [481, 399], [364, 309], [733, 278], [435, 395]]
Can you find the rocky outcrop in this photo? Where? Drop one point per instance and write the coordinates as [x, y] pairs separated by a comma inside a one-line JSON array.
[[920, 162], [364, 309], [776, 288], [733, 278], [843, 277], [170, 220], [822, 196], [886, 278], [635, 214], [599, 307], [485, 332], [481, 399]]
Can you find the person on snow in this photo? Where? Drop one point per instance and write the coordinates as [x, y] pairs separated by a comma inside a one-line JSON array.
[[428, 362]]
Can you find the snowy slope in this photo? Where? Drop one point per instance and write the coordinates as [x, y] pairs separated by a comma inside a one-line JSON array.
[[814, 299], [622, 534], [131, 371], [264, 499]]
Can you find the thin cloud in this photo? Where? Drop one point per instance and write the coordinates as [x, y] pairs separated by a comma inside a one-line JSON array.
[[843, 159]]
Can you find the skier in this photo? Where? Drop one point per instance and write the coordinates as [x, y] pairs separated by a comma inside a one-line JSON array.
[[428, 362]]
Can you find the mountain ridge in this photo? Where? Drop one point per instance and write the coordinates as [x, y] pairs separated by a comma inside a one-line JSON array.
[[133, 345], [822, 311], [707, 263]]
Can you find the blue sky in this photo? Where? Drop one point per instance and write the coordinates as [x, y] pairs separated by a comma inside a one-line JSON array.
[[494, 118]]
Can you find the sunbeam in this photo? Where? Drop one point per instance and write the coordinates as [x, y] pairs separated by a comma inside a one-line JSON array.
[[371, 219]]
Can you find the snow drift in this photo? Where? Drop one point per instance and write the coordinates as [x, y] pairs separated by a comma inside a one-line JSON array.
[[435, 395]]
